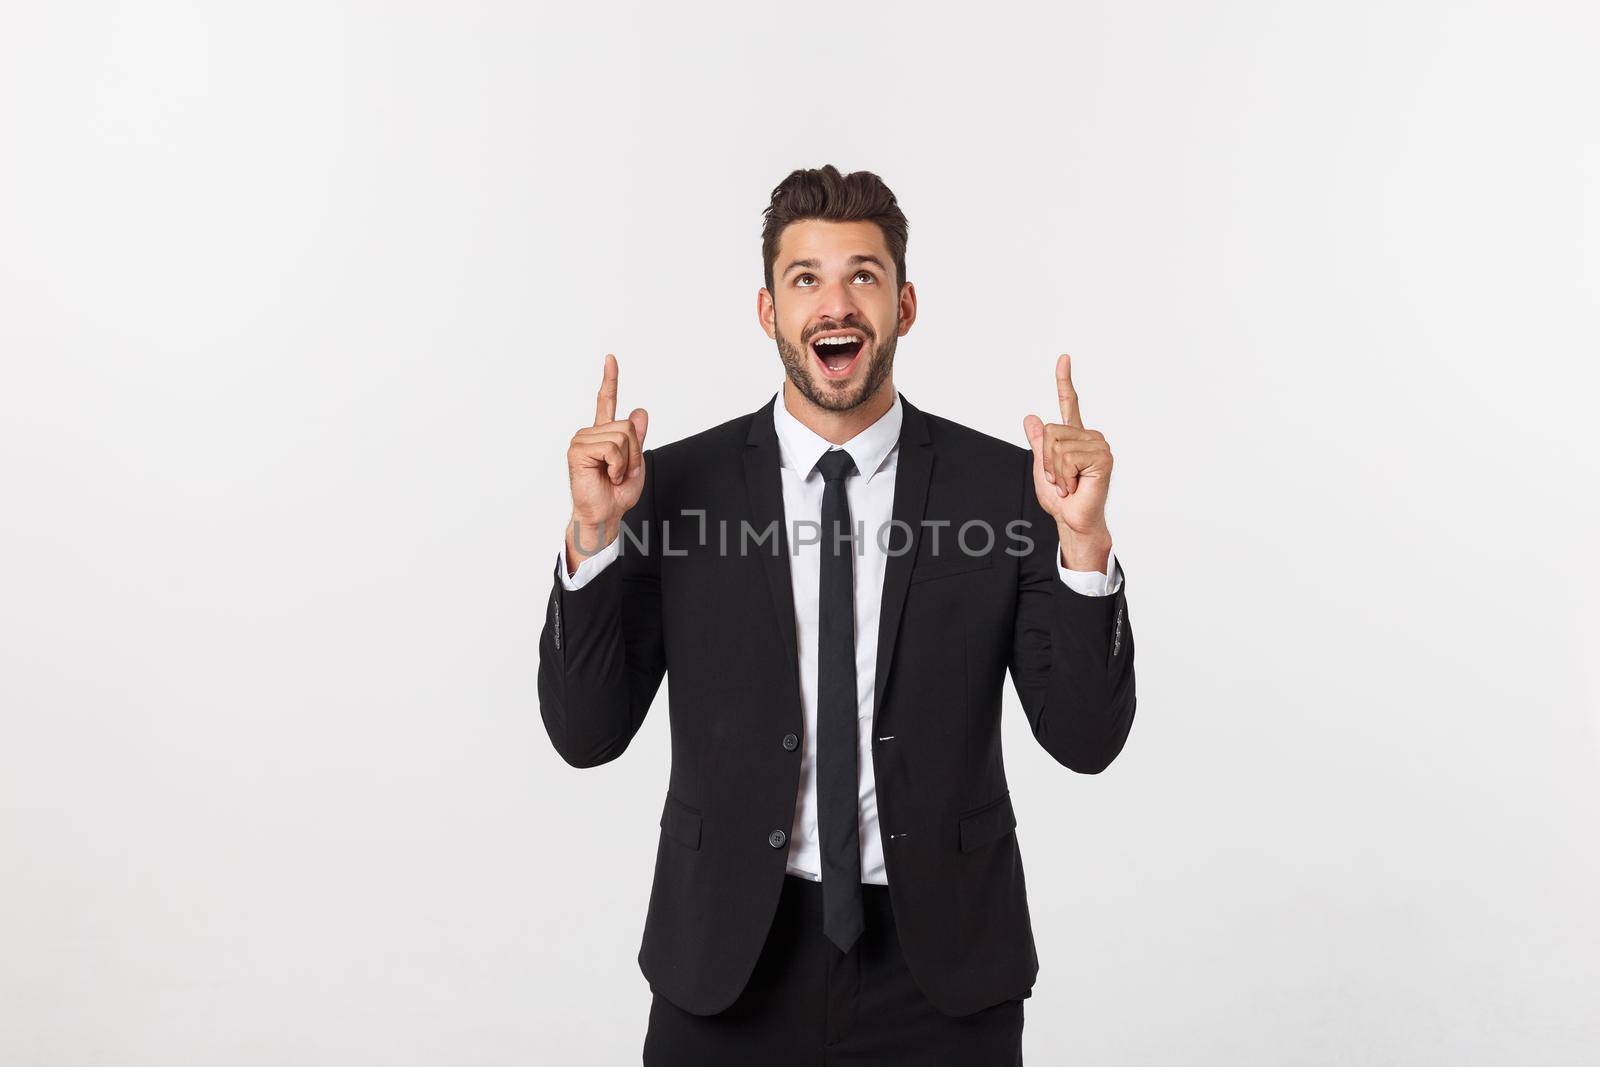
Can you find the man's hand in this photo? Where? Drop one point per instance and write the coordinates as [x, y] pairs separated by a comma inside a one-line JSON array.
[[605, 464], [1072, 475]]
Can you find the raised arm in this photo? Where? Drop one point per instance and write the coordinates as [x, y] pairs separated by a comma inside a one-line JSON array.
[[1072, 655], [601, 655]]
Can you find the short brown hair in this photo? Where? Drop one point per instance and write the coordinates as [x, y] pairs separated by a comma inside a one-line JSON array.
[[826, 194]]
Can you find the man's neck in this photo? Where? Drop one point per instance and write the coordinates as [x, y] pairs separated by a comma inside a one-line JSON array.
[[837, 427]]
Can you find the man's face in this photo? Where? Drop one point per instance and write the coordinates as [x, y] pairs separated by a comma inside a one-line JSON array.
[[836, 310]]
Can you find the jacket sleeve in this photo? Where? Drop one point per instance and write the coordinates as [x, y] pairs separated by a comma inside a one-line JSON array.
[[1072, 655], [601, 654]]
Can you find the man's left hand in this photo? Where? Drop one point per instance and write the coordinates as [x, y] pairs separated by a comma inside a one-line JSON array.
[[1072, 475]]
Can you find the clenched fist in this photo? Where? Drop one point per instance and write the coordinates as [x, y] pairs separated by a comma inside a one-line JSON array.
[[605, 465], [1072, 475]]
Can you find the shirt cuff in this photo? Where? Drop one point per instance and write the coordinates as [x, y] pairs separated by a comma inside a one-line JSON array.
[[591, 566], [1092, 583]]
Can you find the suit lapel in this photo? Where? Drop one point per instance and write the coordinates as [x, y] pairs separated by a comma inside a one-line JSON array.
[[764, 480], [913, 470]]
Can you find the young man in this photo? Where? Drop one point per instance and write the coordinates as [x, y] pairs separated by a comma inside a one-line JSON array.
[[834, 587]]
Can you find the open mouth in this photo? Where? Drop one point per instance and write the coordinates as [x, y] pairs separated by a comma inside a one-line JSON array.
[[837, 353]]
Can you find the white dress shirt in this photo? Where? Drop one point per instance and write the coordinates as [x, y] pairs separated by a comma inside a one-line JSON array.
[[870, 493]]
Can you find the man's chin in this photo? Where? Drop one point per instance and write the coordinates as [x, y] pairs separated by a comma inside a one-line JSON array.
[[835, 394]]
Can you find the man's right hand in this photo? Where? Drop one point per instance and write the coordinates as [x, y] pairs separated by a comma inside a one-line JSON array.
[[605, 464]]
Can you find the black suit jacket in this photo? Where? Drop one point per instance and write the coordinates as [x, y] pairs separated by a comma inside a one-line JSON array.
[[719, 625]]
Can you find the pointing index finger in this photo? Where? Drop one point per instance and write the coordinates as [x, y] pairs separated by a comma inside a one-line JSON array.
[[1065, 394], [605, 405]]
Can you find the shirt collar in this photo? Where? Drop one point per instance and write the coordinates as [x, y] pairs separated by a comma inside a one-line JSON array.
[[799, 447]]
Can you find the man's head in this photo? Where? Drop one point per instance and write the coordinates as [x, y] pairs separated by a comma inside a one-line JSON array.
[[834, 247]]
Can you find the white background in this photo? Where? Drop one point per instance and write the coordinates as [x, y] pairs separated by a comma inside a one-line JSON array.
[[300, 303]]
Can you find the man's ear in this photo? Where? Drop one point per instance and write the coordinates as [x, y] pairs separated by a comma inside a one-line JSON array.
[[908, 308], [767, 312]]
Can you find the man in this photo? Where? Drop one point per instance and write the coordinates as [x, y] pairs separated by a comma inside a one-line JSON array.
[[835, 587]]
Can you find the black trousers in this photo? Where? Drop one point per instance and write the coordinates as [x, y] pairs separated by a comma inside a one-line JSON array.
[[809, 1005]]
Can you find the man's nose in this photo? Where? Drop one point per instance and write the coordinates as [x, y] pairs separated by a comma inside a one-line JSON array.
[[837, 304]]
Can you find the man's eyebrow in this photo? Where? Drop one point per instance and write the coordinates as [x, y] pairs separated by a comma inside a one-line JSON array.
[[855, 261]]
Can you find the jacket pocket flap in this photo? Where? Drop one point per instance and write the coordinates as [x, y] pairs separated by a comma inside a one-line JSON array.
[[944, 566], [989, 823], [681, 822]]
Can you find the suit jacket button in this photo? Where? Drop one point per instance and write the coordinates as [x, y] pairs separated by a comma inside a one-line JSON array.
[[791, 742], [777, 838]]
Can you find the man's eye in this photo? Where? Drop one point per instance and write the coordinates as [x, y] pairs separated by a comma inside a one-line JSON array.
[[867, 273], [802, 278]]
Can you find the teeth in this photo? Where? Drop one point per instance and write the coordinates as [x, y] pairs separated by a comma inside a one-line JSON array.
[[836, 340]]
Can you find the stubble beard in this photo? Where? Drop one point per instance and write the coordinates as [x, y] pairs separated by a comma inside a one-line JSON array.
[[797, 364]]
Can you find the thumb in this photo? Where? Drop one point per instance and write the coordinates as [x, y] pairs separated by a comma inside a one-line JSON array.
[[641, 423], [1033, 426]]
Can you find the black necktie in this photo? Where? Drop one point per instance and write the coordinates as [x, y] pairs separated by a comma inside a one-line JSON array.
[[838, 792]]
